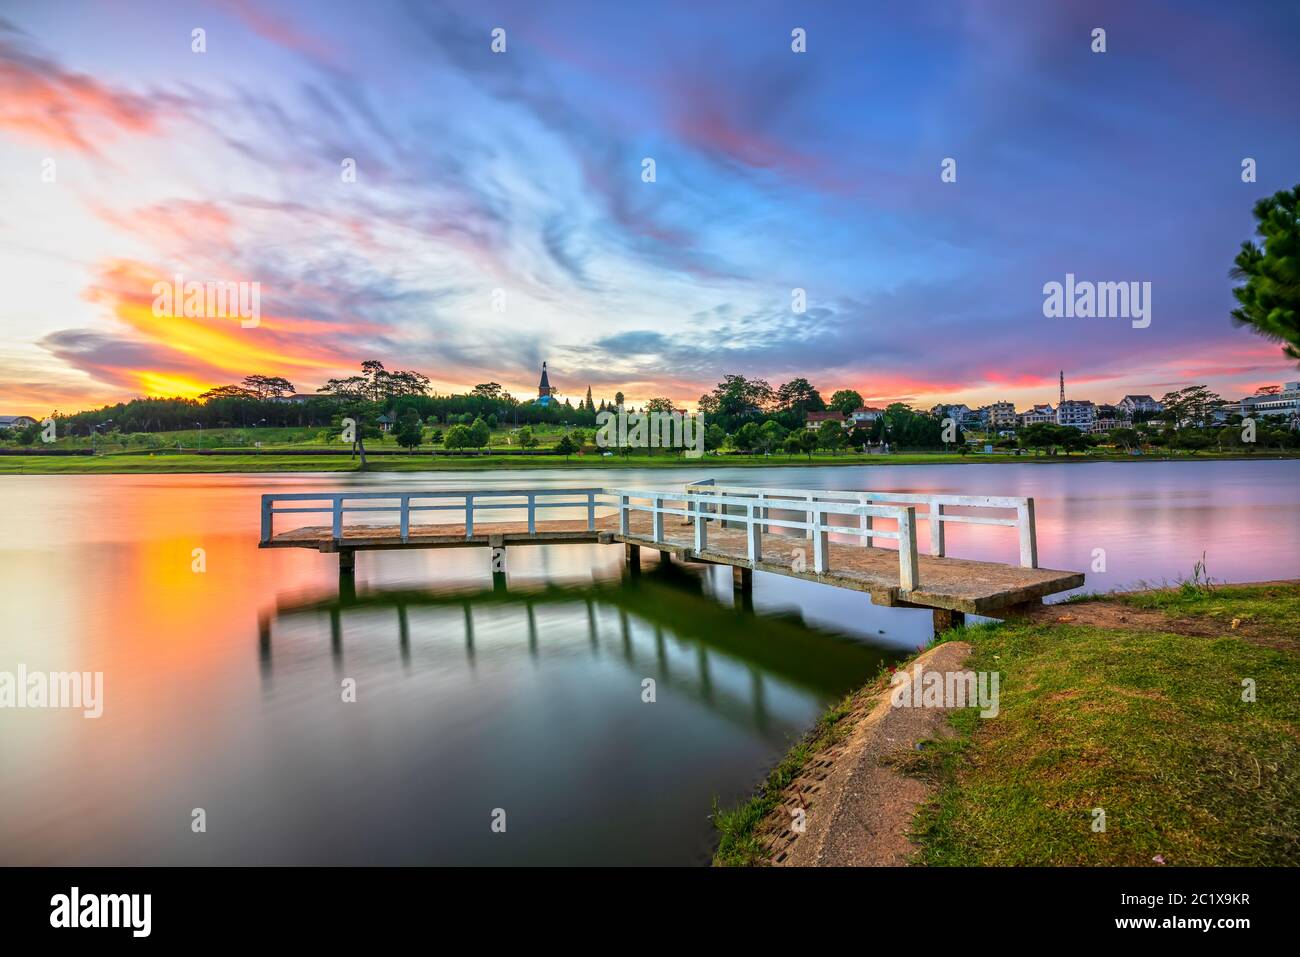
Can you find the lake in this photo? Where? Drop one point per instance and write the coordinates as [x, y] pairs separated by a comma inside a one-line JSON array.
[[222, 686]]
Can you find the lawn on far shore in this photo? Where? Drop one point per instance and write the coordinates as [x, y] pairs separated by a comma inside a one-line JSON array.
[[177, 462]]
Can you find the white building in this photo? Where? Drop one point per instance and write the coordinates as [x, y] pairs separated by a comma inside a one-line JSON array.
[[1039, 413], [865, 415], [1284, 405], [1079, 413], [1137, 403]]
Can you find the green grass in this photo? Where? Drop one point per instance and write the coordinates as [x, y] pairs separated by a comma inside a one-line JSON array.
[[739, 844], [1149, 727], [1272, 608], [170, 460]]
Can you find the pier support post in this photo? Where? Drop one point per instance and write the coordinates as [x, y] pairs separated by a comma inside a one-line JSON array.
[[347, 561], [742, 583], [497, 544], [945, 619], [1020, 610], [632, 553]]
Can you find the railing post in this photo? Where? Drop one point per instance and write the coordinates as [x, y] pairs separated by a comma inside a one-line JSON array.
[[657, 521], [754, 532], [701, 527], [936, 528], [532, 514], [909, 572], [469, 514], [267, 518], [821, 544], [808, 516], [1028, 534], [338, 517], [624, 516], [866, 523], [591, 511], [406, 517]]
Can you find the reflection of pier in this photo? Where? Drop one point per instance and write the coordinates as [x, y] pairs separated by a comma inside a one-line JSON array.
[[664, 626]]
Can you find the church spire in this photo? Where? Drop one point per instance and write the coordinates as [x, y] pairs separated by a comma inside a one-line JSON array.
[[544, 389]]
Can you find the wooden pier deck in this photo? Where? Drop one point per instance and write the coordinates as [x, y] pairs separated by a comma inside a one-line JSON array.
[[955, 584], [745, 528]]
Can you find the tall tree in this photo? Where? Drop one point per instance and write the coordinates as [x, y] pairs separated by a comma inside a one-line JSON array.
[[1269, 299], [799, 396], [227, 392], [845, 401], [268, 386], [736, 398]]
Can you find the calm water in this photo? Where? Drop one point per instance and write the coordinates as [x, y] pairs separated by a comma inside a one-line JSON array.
[[222, 688]]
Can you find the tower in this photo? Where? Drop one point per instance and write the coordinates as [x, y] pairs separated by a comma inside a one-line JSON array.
[[544, 389], [1062, 399]]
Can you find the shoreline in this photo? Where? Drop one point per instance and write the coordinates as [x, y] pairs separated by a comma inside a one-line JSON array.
[[1131, 702], [165, 463]]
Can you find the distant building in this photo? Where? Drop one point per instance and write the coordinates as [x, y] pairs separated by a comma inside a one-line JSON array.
[[545, 392], [1079, 413], [16, 421], [815, 419], [1039, 413], [1285, 405], [298, 398], [958, 412], [1138, 403], [1106, 424], [1001, 415], [865, 415], [386, 422]]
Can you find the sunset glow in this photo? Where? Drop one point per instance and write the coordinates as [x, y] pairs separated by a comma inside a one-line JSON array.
[[141, 159]]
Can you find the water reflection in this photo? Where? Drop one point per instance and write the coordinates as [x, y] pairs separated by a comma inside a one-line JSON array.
[[471, 698], [634, 621]]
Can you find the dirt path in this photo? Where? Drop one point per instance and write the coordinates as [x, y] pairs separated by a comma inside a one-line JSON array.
[[857, 808]]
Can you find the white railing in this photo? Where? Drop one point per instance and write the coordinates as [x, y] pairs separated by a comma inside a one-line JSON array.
[[936, 515], [700, 503], [701, 507], [468, 501]]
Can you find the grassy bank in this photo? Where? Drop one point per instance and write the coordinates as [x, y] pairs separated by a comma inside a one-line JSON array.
[[1145, 723], [182, 462]]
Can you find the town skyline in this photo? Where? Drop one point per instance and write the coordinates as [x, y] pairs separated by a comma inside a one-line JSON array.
[[398, 189]]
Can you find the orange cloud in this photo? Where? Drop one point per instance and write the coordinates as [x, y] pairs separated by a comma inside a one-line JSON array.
[[171, 354]]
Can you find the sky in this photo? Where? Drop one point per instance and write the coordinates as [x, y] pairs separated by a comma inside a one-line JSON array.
[[500, 215]]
